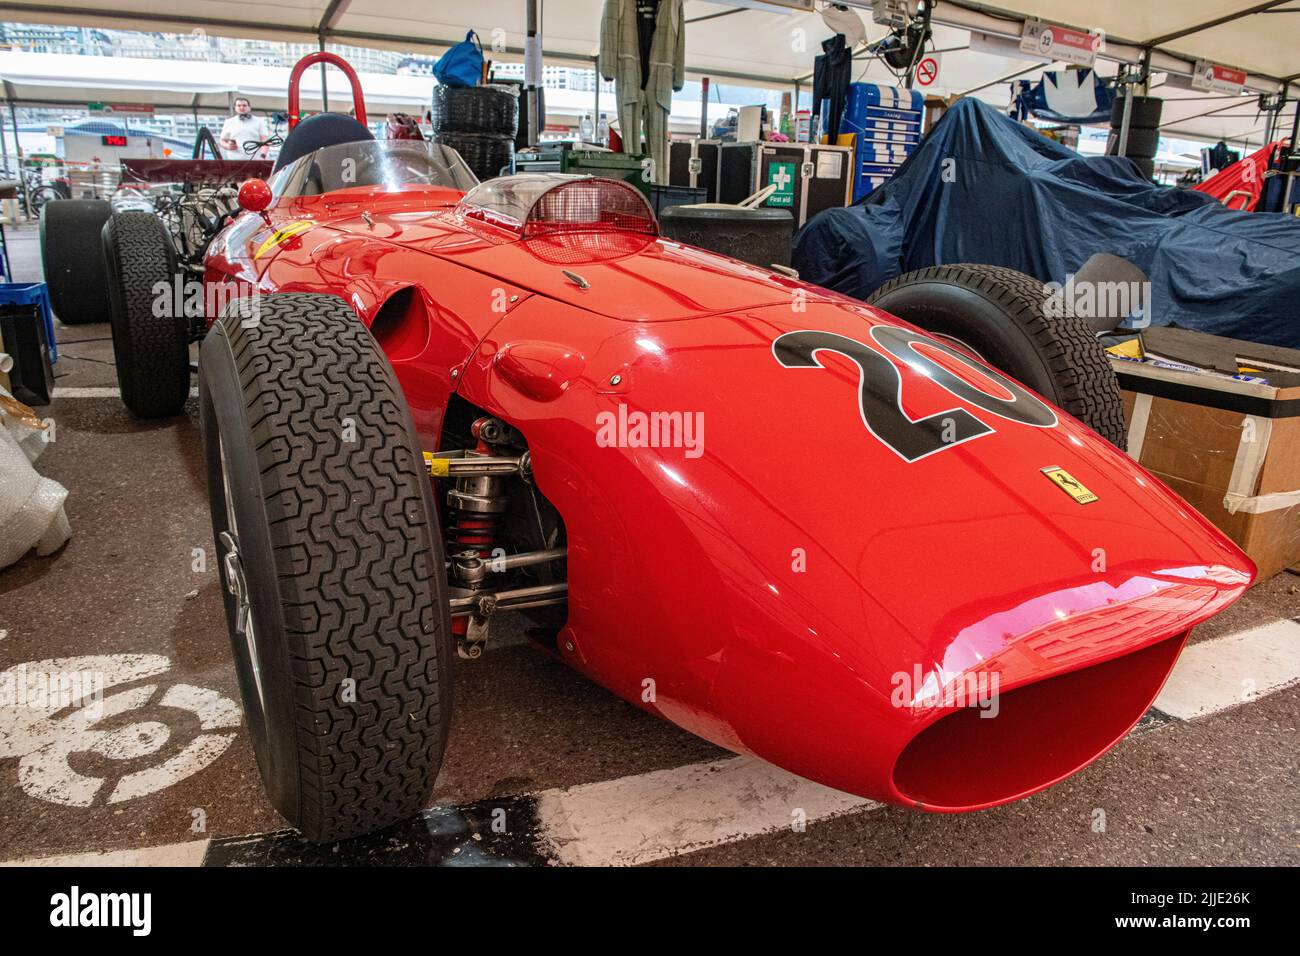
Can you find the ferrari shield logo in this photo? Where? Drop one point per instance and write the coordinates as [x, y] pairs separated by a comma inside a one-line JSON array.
[[1070, 485]]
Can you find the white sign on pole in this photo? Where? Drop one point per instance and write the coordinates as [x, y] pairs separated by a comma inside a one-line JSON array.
[[1217, 79], [1060, 43]]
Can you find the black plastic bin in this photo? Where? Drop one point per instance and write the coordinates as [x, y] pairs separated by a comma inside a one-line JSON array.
[[665, 197]]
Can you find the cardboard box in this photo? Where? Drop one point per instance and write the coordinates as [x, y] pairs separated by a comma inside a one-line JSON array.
[[1230, 448]]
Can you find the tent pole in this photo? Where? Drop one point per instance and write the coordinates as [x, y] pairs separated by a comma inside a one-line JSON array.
[[1286, 160], [324, 83], [18, 148], [595, 117], [533, 68], [1122, 148], [4, 148], [704, 108]]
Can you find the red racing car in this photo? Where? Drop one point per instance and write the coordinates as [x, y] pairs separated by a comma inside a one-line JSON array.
[[791, 523]]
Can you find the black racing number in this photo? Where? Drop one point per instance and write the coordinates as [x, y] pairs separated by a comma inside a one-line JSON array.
[[1023, 407], [880, 389]]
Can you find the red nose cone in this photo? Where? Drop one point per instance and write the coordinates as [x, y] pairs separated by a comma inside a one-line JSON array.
[[254, 195]]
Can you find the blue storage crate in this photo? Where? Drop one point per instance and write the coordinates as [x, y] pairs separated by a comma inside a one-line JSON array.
[[34, 294]]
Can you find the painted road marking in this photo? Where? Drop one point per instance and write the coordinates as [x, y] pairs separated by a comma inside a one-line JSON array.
[[168, 854], [86, 391], [1236, 669], [96, 391], [657, 815], [57, 709]]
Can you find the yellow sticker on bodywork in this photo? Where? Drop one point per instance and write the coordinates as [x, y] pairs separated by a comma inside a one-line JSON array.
[[283, 234], [1070, 485]]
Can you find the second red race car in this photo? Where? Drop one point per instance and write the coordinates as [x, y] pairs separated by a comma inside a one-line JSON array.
[[789, 522]]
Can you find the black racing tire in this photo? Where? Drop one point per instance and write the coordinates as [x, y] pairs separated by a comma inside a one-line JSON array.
[[347, 681], [761, 236], [1142, 143], [1000, 314], [485, 154], [73, 259], [1146, 166], [488, 110], [151, 337], [1145, 113]]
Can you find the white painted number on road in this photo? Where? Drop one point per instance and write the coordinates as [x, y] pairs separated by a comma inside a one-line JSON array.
[[77, 745]]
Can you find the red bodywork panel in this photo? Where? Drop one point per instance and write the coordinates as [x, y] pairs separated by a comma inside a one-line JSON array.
[[1239, 186], [793, 587]]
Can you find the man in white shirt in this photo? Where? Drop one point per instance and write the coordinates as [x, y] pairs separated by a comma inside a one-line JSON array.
[[244, 128]]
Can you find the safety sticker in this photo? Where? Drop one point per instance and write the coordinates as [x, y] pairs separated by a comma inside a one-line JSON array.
[[283, 234], [782, 174], [1070, 485]]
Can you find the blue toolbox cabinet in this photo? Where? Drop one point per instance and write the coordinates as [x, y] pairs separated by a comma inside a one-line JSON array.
[[886, 125]]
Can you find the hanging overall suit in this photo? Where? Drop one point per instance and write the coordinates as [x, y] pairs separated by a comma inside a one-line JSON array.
[[644, 86]]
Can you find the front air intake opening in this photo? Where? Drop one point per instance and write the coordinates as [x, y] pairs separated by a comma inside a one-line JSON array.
[[401, 326], [1041, 733]]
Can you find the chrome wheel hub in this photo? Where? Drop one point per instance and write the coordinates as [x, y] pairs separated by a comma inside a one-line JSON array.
[[236, 583]]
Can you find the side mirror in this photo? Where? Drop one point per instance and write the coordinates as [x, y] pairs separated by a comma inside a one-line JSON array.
[[254, 195]]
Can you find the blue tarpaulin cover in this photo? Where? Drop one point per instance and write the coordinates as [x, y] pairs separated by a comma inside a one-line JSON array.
[[1020, 200]]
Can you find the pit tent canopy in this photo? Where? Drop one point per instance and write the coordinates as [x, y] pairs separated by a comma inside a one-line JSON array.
[[773, 44]]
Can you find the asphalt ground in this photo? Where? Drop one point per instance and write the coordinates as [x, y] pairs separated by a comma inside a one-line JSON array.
[[579, 775]]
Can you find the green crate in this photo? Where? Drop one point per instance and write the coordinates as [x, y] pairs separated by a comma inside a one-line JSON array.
[[625, 166]]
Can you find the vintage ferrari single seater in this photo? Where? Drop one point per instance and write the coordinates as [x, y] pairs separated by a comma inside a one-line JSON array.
[[789, 522]]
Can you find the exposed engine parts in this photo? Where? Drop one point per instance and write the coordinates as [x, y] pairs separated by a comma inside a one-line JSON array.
[[483, 518]]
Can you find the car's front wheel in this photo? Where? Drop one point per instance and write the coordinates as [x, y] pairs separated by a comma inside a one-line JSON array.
[[331, 558]]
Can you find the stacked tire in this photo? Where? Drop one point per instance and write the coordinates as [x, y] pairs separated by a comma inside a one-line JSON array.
[[1143, 131], [76, 271], [480, 123]]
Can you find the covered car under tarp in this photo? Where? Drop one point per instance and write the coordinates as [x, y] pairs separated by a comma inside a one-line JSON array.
[[981, 188]]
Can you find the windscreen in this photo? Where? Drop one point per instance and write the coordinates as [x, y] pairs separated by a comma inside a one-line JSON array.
[[390, 164]]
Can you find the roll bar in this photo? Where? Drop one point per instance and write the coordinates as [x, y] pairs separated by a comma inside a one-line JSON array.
[[311, 59]]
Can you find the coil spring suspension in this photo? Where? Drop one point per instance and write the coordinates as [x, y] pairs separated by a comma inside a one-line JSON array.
[[475, 505]]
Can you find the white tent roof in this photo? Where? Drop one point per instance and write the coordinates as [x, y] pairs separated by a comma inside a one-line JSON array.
[[63, 79], [759, 46], [1260, 42], [753, 41]]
